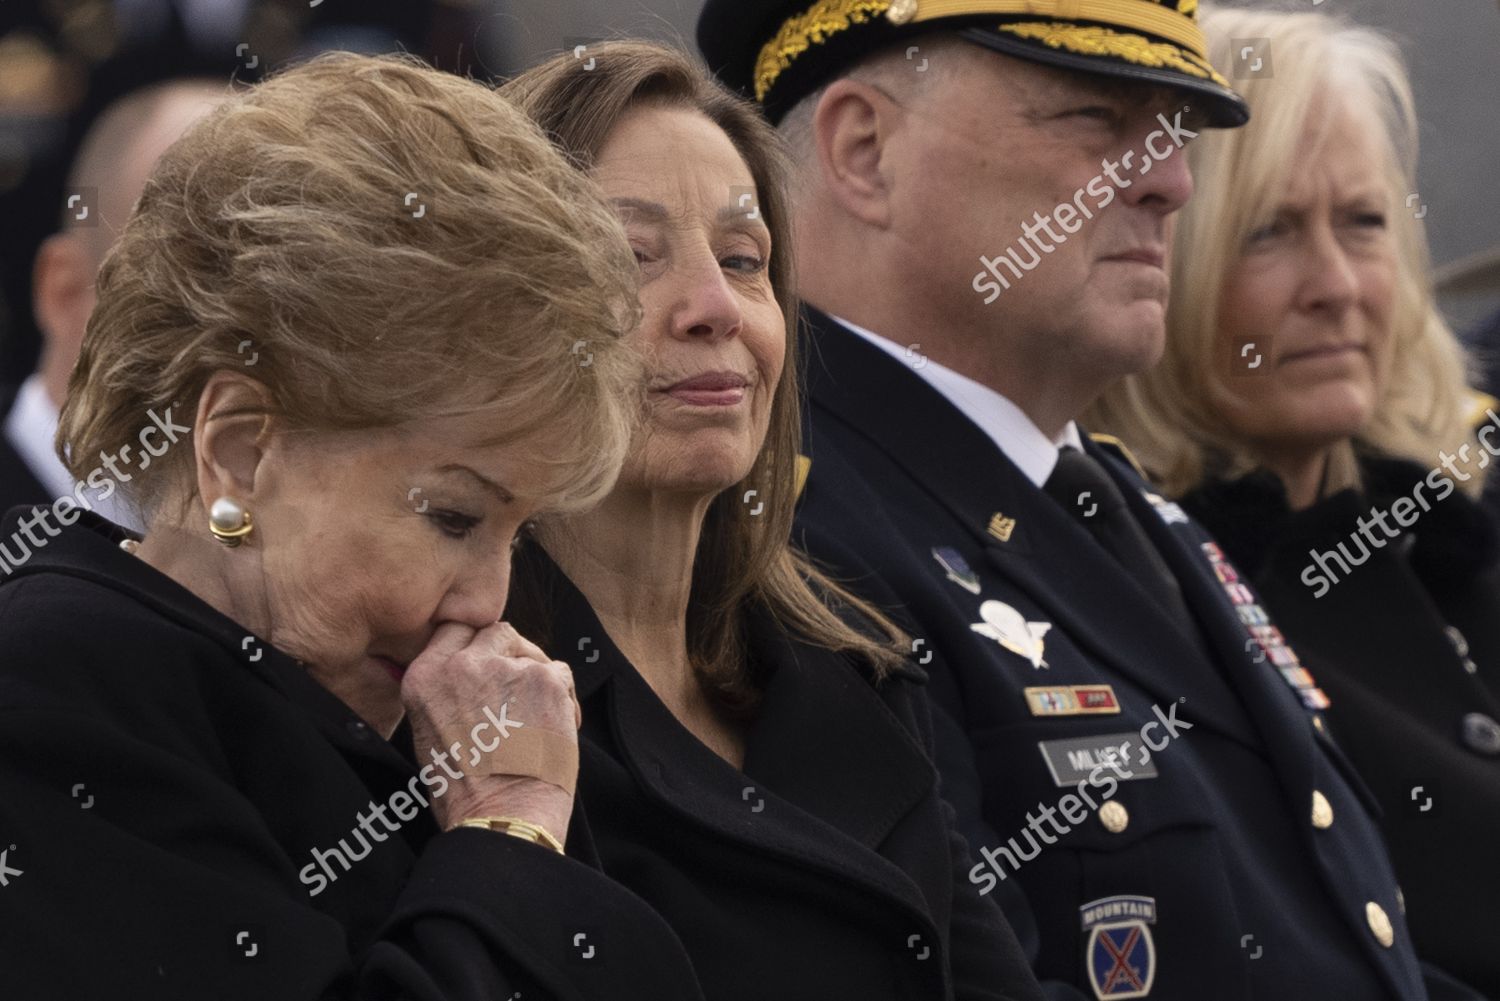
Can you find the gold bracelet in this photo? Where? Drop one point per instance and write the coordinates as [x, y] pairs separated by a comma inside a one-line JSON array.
[[517, 828]]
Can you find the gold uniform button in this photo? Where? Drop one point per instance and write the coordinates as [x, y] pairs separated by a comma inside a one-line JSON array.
[[1318, 723], [1322, 811], [1380, 924], [1114, 817]]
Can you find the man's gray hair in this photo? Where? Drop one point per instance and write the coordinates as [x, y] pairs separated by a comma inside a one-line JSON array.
[[902, 70]]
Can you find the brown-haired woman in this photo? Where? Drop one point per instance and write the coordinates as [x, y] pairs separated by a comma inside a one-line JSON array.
[[334, 361], [752, 766]]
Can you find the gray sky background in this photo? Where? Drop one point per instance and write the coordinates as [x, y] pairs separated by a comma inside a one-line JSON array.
[[1452, 47]]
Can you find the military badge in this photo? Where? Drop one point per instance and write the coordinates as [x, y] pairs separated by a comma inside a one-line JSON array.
[[1058, 701], [1010, 629], [1120, 954], [1072, 700], [1252, 615], [1239, 594], [1170, 511], [957, 568], [1298, 677], [1314, 699], [1272, 644]]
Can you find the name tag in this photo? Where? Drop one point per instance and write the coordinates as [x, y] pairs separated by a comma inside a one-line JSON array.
[[1074, 759]]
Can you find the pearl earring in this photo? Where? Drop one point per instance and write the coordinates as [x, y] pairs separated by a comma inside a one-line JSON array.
[[229, 522]]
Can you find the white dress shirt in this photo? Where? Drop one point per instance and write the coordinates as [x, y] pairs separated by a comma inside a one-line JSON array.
[[1013, 433], [30, 428]]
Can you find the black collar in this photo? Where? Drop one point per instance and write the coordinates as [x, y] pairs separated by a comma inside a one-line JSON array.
[[90, 550], [1455, 539]]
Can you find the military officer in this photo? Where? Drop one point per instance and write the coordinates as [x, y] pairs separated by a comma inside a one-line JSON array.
[[984, 205]]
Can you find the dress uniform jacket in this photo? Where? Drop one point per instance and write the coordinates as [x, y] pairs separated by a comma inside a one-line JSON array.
[[828, 868], [18, 484], [1240, 858], [1407, 645]]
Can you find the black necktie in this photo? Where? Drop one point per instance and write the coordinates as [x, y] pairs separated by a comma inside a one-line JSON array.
[[1086, 491]]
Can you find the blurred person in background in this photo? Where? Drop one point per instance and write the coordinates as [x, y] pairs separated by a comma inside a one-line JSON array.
[[1311, 409], [283, 747], [62, 64], [756, 748], [112, 166]]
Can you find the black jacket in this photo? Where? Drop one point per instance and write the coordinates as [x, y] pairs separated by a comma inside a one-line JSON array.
[[829, 868], [165, 778], [18, 484], [169, 782], [1249, 898], [1417, 720]]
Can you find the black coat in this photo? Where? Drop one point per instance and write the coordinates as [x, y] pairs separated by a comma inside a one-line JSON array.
[[166, 779], [18, 484], [1251, 899], [828, 868], [1377, 641]]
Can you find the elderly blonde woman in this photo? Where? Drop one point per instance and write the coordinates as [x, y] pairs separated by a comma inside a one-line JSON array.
[[754, 768], [335, 361], [1311, 409]]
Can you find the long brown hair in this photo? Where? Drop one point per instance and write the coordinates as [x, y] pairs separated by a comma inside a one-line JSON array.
[[743, 560]]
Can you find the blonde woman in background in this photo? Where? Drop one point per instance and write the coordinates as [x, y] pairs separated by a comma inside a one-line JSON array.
[[1311, 409]]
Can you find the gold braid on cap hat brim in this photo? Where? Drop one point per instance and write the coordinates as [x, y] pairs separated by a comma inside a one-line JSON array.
[[1091, 40], [828, 18]]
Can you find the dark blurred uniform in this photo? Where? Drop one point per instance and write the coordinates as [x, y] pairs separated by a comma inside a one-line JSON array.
[[62, 64]]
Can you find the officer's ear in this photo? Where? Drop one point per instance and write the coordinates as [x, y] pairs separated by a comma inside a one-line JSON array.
[[852, 128]]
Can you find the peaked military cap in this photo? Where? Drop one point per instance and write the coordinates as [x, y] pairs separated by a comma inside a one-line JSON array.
[[779, 51]]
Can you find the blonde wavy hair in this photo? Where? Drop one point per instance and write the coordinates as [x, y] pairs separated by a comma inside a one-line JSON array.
[[378, 243], [742, 560], [1167, 415]]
